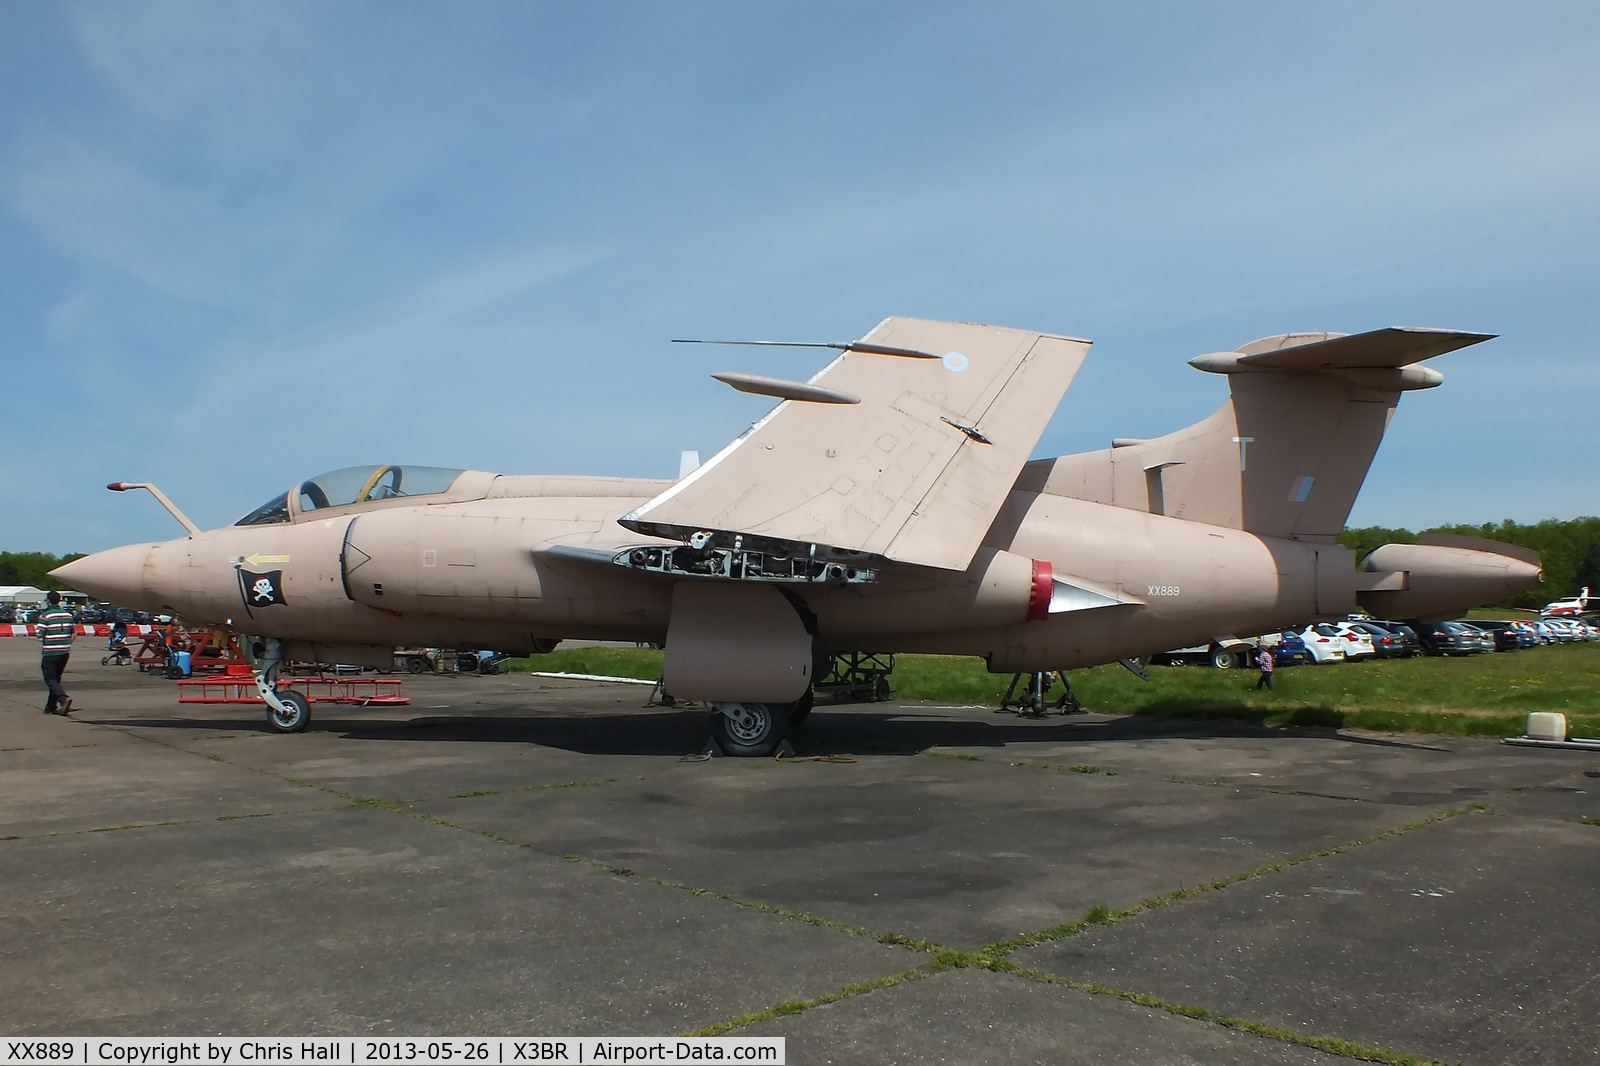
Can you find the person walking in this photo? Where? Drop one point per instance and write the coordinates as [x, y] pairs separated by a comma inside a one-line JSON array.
[[56, 630], [1264, 663]]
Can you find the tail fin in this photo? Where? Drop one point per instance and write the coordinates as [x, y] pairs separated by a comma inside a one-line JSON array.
[[1286, 455]]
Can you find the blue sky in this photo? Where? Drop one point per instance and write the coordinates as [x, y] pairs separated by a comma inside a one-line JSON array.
[[244, 244]]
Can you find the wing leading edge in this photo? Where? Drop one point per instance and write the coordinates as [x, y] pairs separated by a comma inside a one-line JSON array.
[[915, 472]]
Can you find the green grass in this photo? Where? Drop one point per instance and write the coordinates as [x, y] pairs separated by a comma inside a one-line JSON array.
[[643, 663], [1486, 695]]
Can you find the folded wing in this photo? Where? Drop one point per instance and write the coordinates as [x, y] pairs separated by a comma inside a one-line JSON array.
[[914, 472]]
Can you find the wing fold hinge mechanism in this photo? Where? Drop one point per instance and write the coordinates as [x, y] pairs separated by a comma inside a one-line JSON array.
[[709, 554]]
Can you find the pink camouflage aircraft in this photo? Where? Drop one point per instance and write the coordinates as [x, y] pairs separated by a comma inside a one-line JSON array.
[[886, 505]]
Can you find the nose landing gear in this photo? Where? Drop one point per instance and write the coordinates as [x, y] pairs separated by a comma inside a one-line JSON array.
[[287, 712]]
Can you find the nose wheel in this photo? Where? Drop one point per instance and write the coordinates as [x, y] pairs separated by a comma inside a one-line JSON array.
[[287, 712], [292, 715]]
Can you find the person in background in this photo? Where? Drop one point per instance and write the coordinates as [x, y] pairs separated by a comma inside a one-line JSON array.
[[1264, 663], [56, 630]]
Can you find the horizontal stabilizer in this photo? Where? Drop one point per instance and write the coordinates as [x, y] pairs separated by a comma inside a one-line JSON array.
[[1482, 544], [1396, 346], [915, 471], [1286, 455]]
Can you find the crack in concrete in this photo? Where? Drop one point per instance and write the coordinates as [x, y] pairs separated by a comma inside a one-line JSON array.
[[1239, 787], [166, 822], [991, 957]]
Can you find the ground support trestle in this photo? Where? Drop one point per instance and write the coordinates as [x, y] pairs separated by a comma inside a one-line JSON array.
[[860, 677], [1032, 702]]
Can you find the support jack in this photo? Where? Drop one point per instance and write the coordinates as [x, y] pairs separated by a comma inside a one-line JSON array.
[[1031, 703]]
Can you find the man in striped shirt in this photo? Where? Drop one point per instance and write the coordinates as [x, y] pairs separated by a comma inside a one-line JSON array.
[[56, 630]]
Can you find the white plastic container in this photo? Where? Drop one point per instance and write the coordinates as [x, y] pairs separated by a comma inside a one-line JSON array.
[[1547, 725]]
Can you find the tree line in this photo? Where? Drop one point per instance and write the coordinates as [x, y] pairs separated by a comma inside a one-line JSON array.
[[33, 568]]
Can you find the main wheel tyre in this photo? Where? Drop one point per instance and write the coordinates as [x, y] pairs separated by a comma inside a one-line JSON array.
[[750, 728], [1222, 659], [294, 717]]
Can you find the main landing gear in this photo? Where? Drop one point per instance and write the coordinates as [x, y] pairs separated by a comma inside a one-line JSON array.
[[756, 728]]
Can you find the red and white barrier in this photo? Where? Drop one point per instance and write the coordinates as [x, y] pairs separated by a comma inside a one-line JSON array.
[[82, 631]]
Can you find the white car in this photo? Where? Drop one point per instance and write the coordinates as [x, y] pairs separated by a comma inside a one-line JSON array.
[[1563, 630], [1324, 643], [1546, 632], [1357, 642], [1582, 628]]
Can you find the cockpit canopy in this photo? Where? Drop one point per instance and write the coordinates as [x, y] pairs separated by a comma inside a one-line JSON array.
[[354, 484]]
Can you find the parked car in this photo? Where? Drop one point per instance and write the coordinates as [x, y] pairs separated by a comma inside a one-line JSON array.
[[1210, 654], [1323, 643], [1485, 637], [1505, 633], [1561, 632], [1290, 650], [1448, 638], [1406, 635], [1527, 634], [1546, 634], [1385, 645], [1358, 642]]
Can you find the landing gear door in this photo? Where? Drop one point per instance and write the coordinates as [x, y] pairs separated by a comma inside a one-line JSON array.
[[735, 641], [1336, 581]]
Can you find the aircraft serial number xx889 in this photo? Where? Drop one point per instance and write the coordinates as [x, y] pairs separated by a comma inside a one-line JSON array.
[[887, 505]]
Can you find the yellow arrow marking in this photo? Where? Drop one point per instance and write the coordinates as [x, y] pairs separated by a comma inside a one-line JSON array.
[[257, 560]]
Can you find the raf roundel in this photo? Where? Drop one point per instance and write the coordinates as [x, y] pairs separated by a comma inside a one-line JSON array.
[[956, 362]]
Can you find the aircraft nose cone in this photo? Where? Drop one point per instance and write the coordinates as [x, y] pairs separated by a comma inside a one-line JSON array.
[[116, 575]]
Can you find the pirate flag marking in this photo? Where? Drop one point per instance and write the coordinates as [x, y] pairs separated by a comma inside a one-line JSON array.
[[261, 590]]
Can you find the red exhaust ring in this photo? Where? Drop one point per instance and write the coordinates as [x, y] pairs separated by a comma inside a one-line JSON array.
[[1044, 583]]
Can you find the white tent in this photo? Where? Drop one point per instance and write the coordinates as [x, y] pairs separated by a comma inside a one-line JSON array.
[[21, 594]]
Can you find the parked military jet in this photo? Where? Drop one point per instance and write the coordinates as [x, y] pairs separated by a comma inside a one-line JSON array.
[[886, 505]]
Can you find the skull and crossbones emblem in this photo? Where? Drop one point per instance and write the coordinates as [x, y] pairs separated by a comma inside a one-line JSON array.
[[263, 589]]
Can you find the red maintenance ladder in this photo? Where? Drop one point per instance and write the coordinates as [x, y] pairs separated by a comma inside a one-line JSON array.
[[238, 685]]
